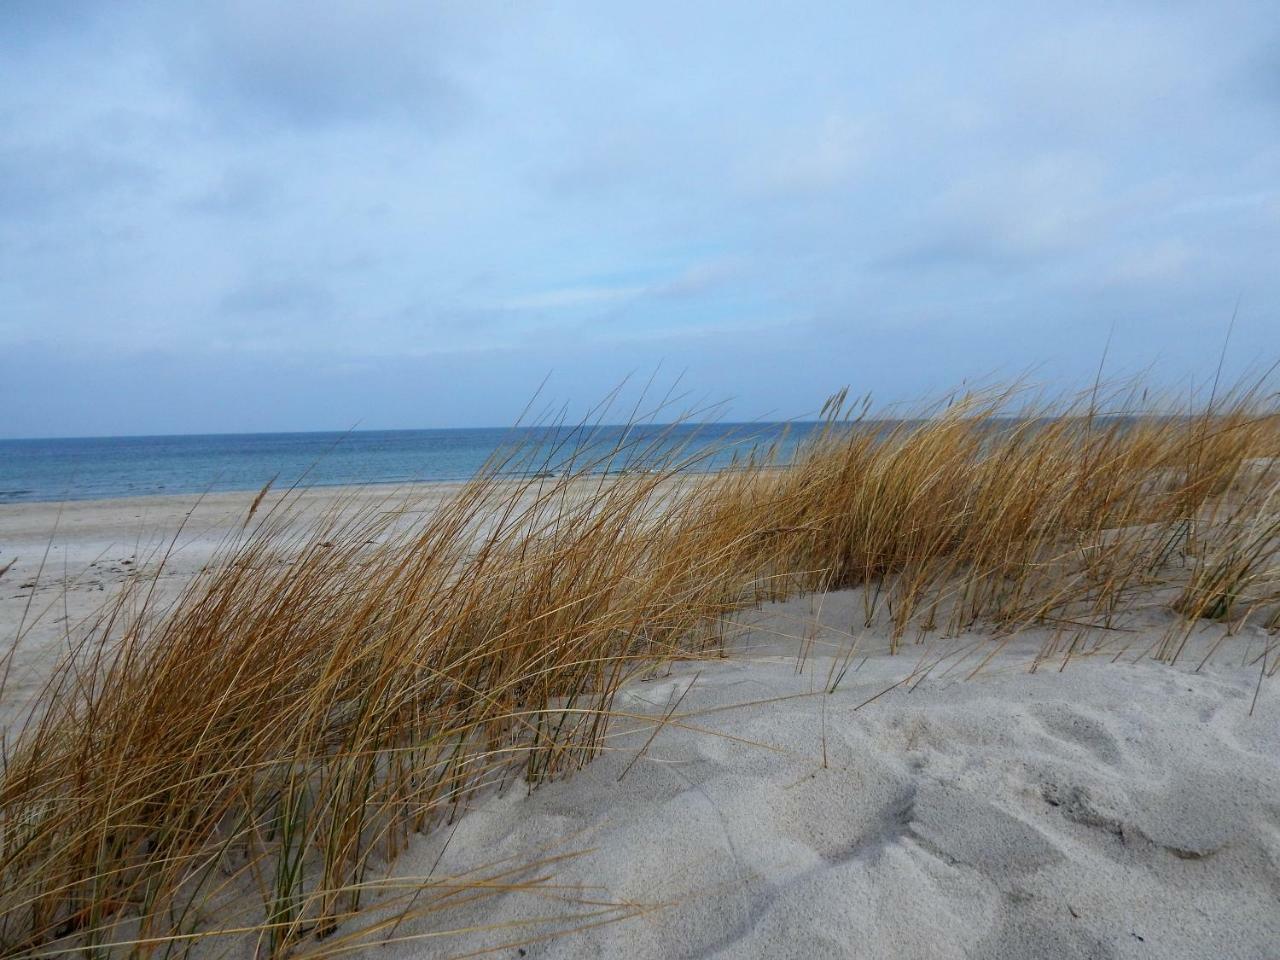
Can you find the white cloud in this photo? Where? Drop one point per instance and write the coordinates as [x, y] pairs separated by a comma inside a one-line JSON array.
[[359, 183], [824, 155], [1159, 261], [571, 297]]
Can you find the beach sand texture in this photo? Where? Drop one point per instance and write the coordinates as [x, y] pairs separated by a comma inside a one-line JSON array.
[[1108, 811], [1124, 809], [62, 560]]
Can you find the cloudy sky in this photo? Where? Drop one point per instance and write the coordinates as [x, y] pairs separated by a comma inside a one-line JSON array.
[[304, 215]]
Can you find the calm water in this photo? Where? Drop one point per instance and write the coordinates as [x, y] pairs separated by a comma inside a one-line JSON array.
[[81, 469]]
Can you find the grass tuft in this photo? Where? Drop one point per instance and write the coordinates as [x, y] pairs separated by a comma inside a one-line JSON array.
[[246, 763]]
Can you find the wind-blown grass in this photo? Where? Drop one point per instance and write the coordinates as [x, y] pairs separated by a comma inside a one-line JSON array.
[[248, 762]]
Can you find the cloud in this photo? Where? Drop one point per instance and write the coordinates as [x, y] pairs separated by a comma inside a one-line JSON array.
[[827, 154], [26, 23], [38, 180], [698, 279], [570, 297], [695, 280], [236, 193], [780, 199], [309, 65], [273, 295], [1161, 261]]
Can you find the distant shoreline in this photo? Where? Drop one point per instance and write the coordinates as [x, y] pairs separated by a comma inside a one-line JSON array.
[[238, 493], [65, 470], [74, 470], [244, 495]]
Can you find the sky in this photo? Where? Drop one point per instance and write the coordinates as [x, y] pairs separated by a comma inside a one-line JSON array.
[[256, 216]]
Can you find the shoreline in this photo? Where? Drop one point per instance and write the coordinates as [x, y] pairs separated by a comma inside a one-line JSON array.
[[251, 491], [125, 468], [217, 498], [60, 561], [247, 493]]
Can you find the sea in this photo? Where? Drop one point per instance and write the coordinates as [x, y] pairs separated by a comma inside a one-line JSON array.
[[93, 468]]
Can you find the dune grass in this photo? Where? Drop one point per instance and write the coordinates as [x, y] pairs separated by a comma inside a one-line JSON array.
[[244, 765]]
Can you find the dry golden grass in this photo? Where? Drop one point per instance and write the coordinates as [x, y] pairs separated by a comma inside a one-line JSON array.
[[247, 763]]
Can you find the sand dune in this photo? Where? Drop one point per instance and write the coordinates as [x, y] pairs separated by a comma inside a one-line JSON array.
[[68, 557], [1111, 810]]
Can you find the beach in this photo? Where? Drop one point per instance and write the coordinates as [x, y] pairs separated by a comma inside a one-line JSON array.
[[699, 481], [799, 791], [1110, 810], [69, 557]]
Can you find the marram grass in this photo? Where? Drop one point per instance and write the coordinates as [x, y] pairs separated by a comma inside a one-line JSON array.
[[244, 765]]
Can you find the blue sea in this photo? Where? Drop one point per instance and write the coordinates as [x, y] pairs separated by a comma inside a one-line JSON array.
[[97, 467]]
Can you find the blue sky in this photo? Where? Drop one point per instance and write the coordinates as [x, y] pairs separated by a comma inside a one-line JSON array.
[[263, 216]]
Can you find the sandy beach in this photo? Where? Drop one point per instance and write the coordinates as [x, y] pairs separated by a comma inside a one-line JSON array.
[[1110, 810], [740, 809], [62, 560]]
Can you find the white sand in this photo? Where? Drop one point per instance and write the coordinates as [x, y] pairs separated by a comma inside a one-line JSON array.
[[1112, 810], [67, 558]]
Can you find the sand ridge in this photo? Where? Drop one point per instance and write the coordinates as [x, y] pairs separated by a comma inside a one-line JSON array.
[[1108, 811], [65, 559]]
